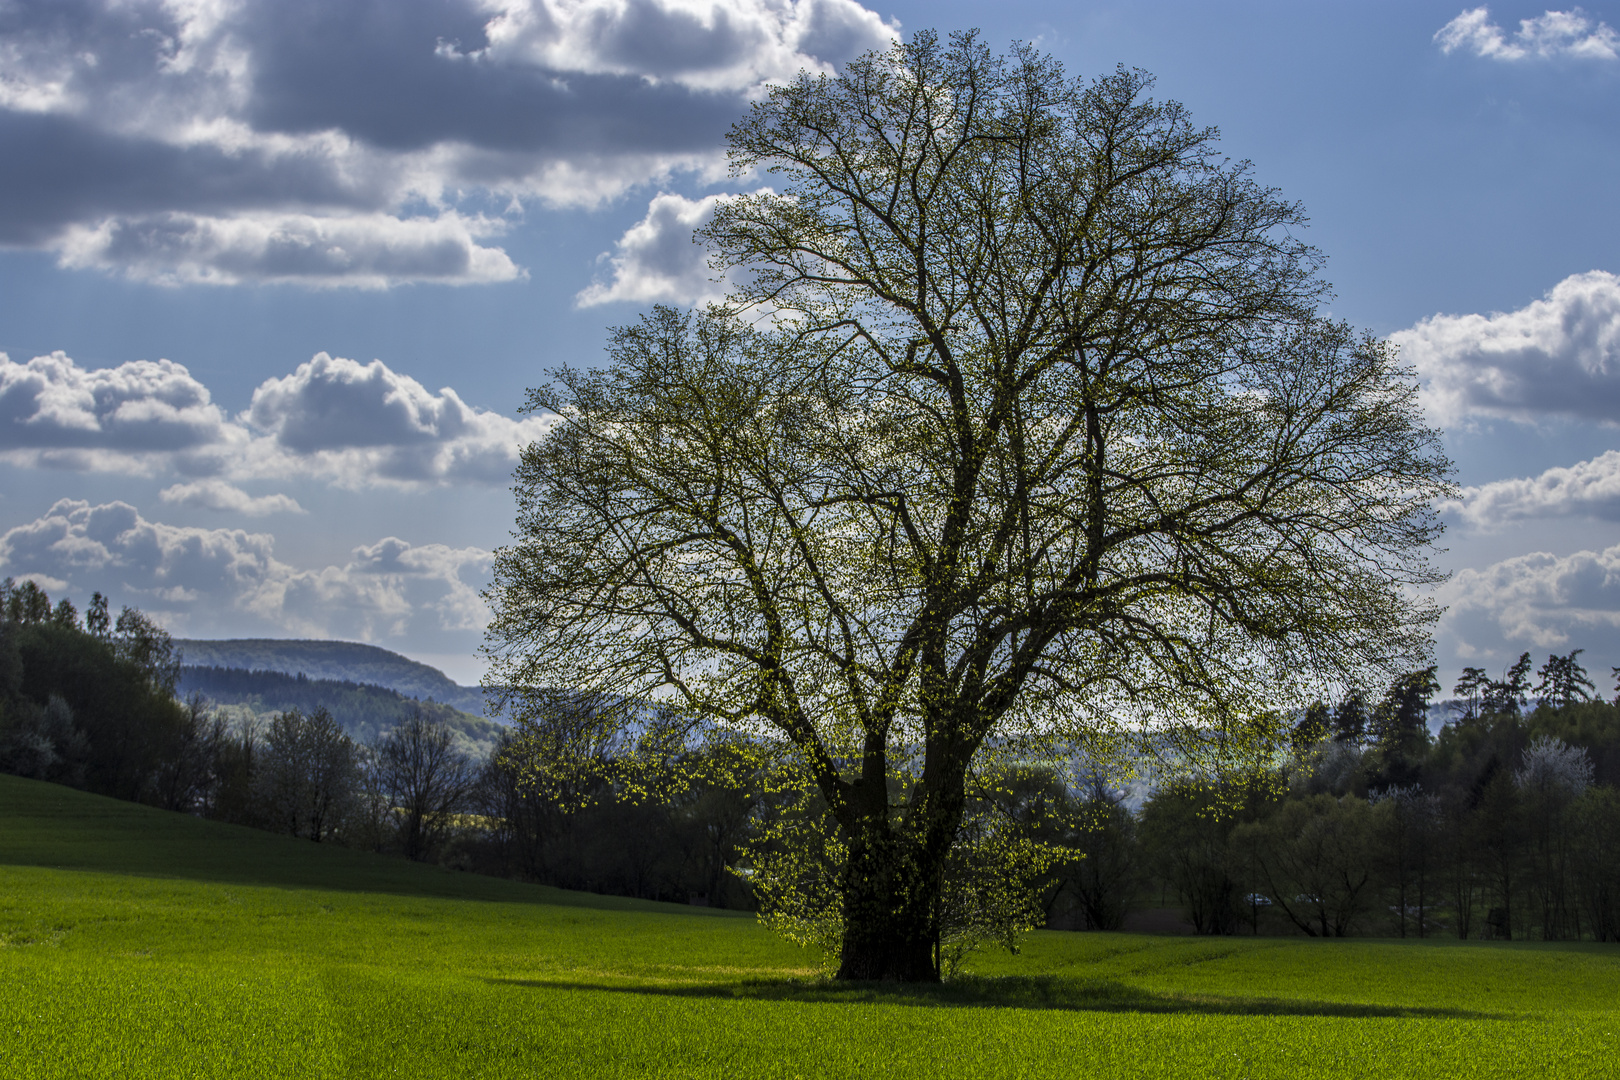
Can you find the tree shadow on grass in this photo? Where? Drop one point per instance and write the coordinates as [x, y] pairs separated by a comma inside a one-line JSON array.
[[1009, 992]]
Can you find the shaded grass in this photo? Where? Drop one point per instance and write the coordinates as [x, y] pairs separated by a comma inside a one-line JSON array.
[[136, 943], [46, 825], [1010, 991]]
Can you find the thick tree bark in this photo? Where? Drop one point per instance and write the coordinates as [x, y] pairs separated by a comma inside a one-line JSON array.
[[891, 912]]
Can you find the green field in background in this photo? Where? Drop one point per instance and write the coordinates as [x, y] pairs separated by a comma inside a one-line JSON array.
[[138, 943]]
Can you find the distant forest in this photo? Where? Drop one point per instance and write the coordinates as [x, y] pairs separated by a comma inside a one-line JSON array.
[[1505, 825], [94, 702], [333, 660], [365, 711]]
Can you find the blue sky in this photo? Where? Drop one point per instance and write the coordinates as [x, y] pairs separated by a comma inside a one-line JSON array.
[[275, 274]]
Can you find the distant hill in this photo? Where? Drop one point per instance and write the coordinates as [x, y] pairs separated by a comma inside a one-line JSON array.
[[1445, 712], [364, 711], [344, 661]]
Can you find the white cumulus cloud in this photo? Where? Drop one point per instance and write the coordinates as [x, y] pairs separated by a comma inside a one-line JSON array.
[[1557, 356], [215, 494], [1536, 601], [201, 581], [360, 423], [370, 598], [1587, 488], [1547, 36], [77, 542], [54, 412], [362, 143], [656, 258], [335, 419], [709, 45], [366, 251]]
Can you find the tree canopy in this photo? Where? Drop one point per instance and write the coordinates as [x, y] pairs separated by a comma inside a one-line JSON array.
[[1022, 427]]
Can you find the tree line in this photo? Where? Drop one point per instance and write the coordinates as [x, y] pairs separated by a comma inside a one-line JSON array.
[[91, 702], [1504, 825], [365, 710]]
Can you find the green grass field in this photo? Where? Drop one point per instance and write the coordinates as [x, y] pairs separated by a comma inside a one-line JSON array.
[[136, 943]]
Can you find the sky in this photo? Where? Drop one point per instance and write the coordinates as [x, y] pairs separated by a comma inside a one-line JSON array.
[[275, 275]]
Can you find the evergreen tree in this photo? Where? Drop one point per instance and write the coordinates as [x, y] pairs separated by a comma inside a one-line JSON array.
[[97, 623], [1504, 696], [1401, 721], [1400, 728], [1350, 719], [27, 603], [1562, 681], [65, 614], [1472, 688]]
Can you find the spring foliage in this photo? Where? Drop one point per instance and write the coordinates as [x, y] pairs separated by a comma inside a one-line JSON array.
[[1022, 433]]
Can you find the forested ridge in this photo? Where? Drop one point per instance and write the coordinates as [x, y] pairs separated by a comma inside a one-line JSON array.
[[95, 703], [341, 661], [364, 710]]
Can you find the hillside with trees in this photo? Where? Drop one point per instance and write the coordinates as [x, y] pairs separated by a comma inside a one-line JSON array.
[[1505, 824], [92, 703], [342, 661], [365, 711]]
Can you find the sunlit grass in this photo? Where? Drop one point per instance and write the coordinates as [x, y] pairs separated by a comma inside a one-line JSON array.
[[142, 944]]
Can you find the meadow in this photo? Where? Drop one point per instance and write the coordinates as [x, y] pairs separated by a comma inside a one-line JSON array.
[[140, 943]]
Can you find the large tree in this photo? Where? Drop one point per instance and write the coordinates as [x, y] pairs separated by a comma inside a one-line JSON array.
[[1021, 425]]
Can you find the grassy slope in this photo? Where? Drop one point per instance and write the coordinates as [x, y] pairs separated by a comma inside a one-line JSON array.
[[139, 943]]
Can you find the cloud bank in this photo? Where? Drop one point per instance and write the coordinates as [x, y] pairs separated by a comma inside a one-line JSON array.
[[197, 580], [352, 424], [722, 45], [360, 423], [55, 413], [366, 143], [1550, 35], [1538, 599], [1587, 489], [1556, 357], [363, 251]]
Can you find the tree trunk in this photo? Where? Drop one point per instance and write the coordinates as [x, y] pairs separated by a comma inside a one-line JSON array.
[[891, 926]]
